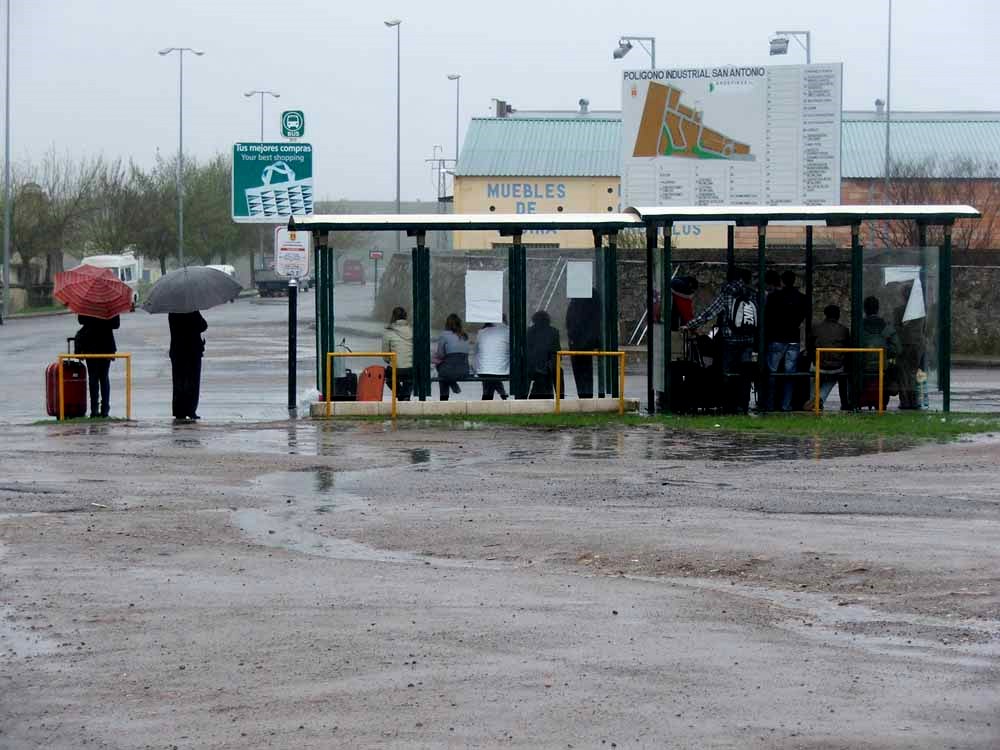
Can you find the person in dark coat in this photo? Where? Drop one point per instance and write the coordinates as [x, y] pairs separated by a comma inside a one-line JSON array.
[[186, 350], [542, 343], [583, 329], [96, 336]]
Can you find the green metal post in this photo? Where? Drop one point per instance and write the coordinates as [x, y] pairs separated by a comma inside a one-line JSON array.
[[320, 371], [651, 232], [944, 320], [730, 249], [601, 284], [809, 283], [518, 301], [610, 301], [421, 317], [857, 312], [331, 310], [761, 319], [666, 309]]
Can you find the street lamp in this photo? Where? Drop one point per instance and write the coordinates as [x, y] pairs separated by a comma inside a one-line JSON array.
[[779, 44], [255, 92], [625, 46], [396, 22], [5, 310], [180, 143], [457, 78]]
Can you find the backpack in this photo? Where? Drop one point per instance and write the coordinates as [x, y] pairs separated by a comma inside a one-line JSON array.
[[743, 315]]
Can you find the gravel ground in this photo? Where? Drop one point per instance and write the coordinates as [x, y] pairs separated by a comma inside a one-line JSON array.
[[302, 585]]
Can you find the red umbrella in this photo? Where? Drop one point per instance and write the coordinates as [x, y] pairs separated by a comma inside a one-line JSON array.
[[97, 292]]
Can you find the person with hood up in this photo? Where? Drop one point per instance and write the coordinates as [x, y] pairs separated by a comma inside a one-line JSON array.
[[398, 338], [542, 343]]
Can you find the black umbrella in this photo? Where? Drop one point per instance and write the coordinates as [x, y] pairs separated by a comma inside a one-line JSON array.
[[189, 289]]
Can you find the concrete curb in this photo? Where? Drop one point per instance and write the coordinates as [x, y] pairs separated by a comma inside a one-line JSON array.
[[470, 408]]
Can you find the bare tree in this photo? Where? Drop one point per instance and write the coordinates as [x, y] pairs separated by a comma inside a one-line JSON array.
[[958, 181]]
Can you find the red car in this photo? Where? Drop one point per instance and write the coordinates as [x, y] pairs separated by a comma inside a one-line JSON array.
[[352, 272]]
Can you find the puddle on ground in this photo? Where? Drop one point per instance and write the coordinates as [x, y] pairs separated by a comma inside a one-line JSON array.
[[18, 640], [297, 484]]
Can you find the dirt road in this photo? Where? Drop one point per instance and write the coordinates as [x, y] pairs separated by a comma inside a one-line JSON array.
[[299, 585]]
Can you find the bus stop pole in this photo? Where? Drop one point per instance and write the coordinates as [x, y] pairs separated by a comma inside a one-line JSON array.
[[651, 236], [293, 313]]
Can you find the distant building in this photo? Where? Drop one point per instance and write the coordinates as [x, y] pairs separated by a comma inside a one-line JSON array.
[[569, 161]]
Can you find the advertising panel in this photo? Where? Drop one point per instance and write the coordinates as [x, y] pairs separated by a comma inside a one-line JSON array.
[[732, 135], [272, 181]]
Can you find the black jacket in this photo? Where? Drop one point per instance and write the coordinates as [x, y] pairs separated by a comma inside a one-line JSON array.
[[583, 322], [96, 335], [542, 345], [783, 315], [185, 334]]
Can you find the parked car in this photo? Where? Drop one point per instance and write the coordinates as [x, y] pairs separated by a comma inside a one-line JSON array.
[[352, 272]]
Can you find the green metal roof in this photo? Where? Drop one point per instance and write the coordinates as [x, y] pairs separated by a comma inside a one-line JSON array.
[[541, 147], [575, 145]]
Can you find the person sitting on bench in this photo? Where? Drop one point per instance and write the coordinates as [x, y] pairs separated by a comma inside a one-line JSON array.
[[452, 356], [493, 358]]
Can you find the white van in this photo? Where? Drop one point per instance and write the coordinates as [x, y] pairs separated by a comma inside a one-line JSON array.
[[126, 267]]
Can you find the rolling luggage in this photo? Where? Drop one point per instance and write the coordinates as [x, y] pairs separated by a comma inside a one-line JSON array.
[[694, 387], [371, 382], [345, 387], [74, 388]]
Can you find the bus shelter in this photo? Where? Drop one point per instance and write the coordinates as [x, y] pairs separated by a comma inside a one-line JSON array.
[[604, 229], [871, 270]]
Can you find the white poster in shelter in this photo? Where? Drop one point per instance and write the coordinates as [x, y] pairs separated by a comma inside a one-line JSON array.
[[484, 296], [579, 279]]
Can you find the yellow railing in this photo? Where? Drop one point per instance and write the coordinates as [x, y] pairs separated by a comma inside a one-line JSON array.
[[621, 373], [329, 375], [863, 349], [128, 379]]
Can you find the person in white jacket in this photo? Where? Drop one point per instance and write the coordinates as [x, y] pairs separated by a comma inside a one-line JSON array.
[[398, 338], [493, 358]]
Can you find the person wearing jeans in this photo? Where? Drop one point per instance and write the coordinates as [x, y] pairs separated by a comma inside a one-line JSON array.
[[783, 315]]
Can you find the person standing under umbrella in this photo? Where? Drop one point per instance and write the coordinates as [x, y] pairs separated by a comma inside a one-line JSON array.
[[96, 336], [186, 350]]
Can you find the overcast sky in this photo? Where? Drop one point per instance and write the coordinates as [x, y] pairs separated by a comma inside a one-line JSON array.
[[86, 78]]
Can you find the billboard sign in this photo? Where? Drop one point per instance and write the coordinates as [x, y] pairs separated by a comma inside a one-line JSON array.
[[272, 181], [731, 135], [291, 252]]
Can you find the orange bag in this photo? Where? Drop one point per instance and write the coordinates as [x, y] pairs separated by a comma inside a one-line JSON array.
[[371, 382]]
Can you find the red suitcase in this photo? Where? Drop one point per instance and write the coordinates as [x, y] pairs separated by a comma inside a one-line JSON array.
[[371, 382], [74, 388]]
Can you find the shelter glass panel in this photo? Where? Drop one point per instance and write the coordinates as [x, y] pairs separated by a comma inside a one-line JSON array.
[[904, 281]]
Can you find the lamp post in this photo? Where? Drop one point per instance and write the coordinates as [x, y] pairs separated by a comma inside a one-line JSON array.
[[888, 110], [5, 310], [779, 44], [457, 78], [255, 92], [395, 22], [180, 143], [625, 46]]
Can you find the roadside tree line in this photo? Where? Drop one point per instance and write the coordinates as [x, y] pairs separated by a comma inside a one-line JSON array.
[[98, 205]]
